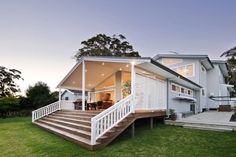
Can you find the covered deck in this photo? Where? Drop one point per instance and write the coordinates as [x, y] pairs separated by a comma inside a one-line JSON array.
[[105, 82]]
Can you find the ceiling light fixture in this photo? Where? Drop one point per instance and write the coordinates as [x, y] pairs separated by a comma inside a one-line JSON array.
[[120, 69], [102, 74], [103, 63]]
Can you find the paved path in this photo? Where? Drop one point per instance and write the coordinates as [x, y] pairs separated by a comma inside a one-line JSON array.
[[211, 117]]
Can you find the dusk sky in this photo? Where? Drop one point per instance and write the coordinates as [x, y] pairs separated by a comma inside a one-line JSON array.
[[39, 38]]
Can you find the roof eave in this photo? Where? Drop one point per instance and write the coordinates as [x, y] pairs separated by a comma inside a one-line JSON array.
[[174, 73]]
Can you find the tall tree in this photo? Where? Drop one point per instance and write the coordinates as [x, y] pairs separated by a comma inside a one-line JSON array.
[[232, 68], [103, 45], [231, 61], [229, 53], [8, 86], [39, 95]]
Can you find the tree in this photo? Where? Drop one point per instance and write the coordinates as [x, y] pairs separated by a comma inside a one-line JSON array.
[[8, 86], [103, 45], [231, 52], [231, 61], [39, 95], [232, 68]]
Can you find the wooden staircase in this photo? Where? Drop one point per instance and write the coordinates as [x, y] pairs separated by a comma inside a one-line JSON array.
[[75, 126]]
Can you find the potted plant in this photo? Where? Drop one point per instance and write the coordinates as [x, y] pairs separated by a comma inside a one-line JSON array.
[[173, 115], [126, 89]]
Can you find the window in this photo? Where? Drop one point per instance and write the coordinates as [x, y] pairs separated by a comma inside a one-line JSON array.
[[189, 70], [189, 92], [66, 98], [181, 90], [186, 70], [173, 87], [203, 92], [171, 61]]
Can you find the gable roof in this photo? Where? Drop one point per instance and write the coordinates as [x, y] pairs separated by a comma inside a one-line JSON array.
[[204, 59], [72, 91], [144, 62]]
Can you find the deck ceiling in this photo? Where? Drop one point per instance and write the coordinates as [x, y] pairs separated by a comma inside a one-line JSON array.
[[95, 73]]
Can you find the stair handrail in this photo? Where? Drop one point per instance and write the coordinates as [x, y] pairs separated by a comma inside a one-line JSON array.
[[106, 120], [46, 110]]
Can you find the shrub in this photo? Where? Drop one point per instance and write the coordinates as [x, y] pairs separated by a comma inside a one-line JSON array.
[[8, 105]]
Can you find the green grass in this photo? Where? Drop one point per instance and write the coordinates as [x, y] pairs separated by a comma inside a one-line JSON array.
[[18, 137]]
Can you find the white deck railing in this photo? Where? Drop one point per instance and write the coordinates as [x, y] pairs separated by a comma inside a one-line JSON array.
[[44, 111], [106, 120]]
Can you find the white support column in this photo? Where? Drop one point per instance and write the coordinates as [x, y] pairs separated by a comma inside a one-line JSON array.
[[133, 84], [83, 86], [59, 98], [89, 97]]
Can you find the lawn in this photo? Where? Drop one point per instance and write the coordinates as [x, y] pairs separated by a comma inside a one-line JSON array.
[[18, 137]]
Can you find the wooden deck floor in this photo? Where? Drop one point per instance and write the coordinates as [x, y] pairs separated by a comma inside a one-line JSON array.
[[149, 113], [138, 113]]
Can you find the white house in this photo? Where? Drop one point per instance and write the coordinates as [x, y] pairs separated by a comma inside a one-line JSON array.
[[123, 90], [201, 70], [70, 94], [126, 89]]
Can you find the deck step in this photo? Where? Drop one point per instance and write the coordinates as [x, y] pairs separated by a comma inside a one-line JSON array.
[[69, 124], [73, 120], [86, 118], [82, 133], [90, 114], [73, 115], [76, 127], [77, 116], [68, 136]]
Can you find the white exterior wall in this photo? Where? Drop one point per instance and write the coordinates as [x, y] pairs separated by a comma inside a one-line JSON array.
[[203, 82], [68, 104], [179, 105], [69, 95], [215, 86], [199, 78], [150, 93]]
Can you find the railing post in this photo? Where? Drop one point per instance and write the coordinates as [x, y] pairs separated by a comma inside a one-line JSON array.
[[93, 132], [59, 98], [83, 85], [133, 92], [32, 116]]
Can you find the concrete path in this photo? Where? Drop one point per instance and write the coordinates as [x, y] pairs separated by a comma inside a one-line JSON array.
[[210, 117]]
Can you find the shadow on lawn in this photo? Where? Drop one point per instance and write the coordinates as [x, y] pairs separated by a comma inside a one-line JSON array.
[[142, 127]]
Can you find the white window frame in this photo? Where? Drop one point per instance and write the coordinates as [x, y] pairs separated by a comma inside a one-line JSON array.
[[191, 91], [185, 66]]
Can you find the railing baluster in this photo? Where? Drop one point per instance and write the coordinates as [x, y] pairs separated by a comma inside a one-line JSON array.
[[44, 111], [107, 119]]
